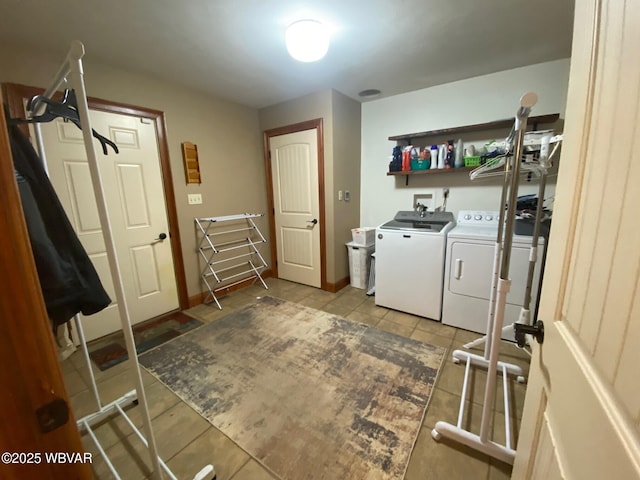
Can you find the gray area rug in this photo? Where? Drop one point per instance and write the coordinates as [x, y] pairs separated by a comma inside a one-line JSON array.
[[309, 395]]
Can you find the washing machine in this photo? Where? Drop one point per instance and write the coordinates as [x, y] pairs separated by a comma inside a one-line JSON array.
[[410, 254], [469, 272]]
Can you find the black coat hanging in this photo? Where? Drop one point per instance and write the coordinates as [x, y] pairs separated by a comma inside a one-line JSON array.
[[69, 282]]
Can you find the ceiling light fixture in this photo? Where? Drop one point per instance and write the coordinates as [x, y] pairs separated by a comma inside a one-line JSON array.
[[307, 40]]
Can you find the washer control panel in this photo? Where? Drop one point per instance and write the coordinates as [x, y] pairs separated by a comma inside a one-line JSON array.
[[478, 217]]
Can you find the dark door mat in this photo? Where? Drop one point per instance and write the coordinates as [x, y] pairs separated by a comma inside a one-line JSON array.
[[111, 350]]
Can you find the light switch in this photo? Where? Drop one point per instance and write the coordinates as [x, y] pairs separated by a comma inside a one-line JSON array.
[[194, 198], [339, 194], [347, 195]]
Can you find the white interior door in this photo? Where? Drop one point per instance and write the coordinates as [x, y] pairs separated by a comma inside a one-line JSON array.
[[296, 199], [137, 211], [582, 410]]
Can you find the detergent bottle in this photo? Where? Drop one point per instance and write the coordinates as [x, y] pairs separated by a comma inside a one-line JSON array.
[[434, 156]]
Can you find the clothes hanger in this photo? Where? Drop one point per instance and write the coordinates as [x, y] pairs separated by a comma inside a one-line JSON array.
[[66, 109], [539, 167], [487, 170]]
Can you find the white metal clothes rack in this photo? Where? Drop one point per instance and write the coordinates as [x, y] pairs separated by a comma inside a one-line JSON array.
[[500, 289], [71, 72], [229, 247], [541, 169]]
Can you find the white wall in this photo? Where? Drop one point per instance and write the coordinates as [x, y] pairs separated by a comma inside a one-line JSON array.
[[476, 100], [346, 176]]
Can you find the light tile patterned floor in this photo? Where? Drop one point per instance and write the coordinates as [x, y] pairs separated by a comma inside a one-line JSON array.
[[187, 442]]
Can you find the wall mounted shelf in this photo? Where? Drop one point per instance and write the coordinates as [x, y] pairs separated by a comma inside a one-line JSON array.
[[191, 162], [533, 123], [429, 172]]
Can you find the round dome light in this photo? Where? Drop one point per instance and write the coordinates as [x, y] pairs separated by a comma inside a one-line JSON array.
[[307, 40]]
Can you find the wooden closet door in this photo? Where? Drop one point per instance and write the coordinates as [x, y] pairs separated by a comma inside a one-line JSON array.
[[30, 375]]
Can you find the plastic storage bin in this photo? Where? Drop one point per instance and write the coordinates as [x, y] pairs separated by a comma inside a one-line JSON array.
[[359, 264], [472, 161], [363, 236], [421, 164]]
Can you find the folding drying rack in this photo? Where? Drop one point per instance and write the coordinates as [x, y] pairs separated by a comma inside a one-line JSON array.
[[229, 247]]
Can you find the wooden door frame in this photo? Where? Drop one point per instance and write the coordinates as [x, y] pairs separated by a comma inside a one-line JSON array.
[[274, 132], [15, 95]]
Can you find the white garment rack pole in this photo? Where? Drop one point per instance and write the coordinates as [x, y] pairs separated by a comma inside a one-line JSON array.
[[544, 164], [483, 361], [481, 441], [71, 71]]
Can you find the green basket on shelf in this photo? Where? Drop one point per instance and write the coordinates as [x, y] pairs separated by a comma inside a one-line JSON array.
[[420, 164], [472, 161]]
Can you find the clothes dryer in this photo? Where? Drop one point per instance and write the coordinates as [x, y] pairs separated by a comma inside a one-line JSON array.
[[469, 272]]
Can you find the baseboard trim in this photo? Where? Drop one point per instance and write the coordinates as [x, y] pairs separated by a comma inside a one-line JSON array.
[[200, 297], [339, 285]]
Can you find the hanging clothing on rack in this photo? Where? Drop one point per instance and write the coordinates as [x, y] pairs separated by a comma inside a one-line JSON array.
[[69, 282], [69, 248]]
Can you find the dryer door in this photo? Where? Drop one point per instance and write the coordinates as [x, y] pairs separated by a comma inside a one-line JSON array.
[[471, 267]]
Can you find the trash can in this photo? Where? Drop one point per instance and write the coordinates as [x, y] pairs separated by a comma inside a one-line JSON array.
[[359, 264]]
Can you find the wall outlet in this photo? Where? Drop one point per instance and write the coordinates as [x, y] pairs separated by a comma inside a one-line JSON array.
[[194, 198]]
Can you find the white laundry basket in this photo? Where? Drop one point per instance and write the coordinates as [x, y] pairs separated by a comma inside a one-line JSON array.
[[359, 264]]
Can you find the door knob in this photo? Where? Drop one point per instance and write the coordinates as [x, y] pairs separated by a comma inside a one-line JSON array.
[[313, 222], [161, 237]]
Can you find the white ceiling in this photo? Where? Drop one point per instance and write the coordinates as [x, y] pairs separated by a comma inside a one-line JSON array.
[[234, 49]]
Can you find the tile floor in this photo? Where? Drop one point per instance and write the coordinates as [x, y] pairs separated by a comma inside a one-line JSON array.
[[187, 442]]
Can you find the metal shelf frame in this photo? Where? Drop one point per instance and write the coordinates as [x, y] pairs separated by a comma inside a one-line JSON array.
[[71, 73], [501, 284], [218, 235]]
